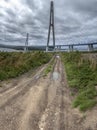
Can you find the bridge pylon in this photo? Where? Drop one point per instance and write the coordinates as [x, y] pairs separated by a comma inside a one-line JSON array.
[[51, 26], [26, 43]]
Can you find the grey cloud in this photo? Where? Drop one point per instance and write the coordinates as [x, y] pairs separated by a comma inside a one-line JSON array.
[[85, 8], [75, 20]]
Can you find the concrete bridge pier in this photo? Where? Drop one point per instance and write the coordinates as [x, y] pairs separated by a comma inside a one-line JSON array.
[[54, 48], [71, 48], [90, 47], [47, 49], [25, 48], [58, 47], [26, 43]]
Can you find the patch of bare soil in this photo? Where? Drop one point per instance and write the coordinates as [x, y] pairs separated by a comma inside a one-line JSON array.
[[33, 102]]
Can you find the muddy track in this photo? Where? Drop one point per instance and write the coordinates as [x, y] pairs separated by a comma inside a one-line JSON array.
[[34, 102]]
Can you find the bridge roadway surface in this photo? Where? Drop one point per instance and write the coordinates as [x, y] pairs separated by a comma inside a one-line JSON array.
[[42, 47], [35, 102]]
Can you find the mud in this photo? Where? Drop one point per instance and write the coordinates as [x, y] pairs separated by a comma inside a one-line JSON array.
[[34, 102]]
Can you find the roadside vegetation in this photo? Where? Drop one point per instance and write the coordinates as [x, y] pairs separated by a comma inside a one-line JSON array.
[[49, 67], [13, 64], [81, 72]]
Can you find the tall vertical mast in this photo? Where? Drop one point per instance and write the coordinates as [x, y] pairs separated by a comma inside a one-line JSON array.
[[26, 43], [51, 25]]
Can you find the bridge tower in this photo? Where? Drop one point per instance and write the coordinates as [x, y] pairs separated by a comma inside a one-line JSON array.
[[26, 43], [51, 26]]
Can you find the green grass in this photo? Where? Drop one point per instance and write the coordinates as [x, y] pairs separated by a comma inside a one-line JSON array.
[[86, 99], [81, 77], [49, 68], [14, 64]]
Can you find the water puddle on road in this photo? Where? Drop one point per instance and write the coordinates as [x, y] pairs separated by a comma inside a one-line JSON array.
[[55, 75]]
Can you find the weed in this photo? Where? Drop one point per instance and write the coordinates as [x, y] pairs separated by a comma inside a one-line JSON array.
[[83, 77], [16, 63], [49, 68]]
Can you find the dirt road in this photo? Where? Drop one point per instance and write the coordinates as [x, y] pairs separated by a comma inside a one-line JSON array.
[[34, 102]]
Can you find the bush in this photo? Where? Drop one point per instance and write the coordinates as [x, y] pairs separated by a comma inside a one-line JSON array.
[[13, 64], [83, 78]]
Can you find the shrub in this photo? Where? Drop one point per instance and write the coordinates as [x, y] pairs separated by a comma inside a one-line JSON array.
[[81, 76]]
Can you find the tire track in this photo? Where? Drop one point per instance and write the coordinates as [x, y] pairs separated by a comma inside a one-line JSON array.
[[11, 108], [53, 117], [20, 89], [39, 103]]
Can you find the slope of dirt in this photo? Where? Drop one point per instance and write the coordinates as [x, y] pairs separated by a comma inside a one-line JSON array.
[[33, 102]]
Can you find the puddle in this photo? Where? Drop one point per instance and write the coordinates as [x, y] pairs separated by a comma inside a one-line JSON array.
[[55, 75]]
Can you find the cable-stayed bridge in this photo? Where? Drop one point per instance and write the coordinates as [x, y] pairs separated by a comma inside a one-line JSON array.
[[91, 46], [70, 47]]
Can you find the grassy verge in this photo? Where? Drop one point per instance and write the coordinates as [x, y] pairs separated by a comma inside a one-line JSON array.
[[14, 64], [49, 68], [82, 79]]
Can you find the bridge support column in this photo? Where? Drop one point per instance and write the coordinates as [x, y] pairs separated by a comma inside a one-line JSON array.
[[70, 48], [47, 49], [25, 49], [51, 25], [90, 47], [26, 43], [59, 47]]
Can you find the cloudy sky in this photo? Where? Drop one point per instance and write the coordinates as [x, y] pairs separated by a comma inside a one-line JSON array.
[[75, 21]]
